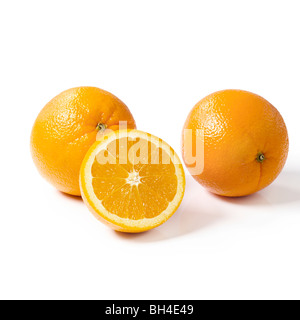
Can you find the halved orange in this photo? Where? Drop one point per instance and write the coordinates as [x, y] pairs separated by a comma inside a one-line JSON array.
[[132, 181]]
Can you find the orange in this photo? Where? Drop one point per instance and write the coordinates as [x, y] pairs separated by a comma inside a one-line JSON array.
[[242, 143], [67, 127], [132, 181]]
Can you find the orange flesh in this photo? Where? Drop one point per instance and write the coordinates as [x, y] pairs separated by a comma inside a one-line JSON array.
[[134, 189]]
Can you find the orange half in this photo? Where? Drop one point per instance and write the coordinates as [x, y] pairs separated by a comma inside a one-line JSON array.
[[132, 181]]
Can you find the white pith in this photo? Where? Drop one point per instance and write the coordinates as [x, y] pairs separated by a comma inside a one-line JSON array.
[[134, 178]]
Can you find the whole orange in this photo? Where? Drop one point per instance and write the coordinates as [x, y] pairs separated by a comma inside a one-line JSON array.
[[242, 143], [67, 127]]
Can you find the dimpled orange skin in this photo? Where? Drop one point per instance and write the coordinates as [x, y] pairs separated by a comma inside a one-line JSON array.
[[67, 127], [238, 127]]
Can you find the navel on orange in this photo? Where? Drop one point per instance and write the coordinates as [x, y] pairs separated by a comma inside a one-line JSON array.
[[132, 181], [67, 127], [242, 143]]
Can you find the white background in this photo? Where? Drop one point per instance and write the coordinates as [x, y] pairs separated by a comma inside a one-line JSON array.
[[160, 58]]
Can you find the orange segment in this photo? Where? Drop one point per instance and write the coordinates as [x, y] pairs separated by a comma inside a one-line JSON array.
[[135, 210], [165, 185], [132, 181], [105, 187], [114, 170], [153, 202], [119, 198]]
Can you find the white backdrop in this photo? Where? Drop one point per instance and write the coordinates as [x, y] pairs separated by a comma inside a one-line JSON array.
[[160, 58]]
